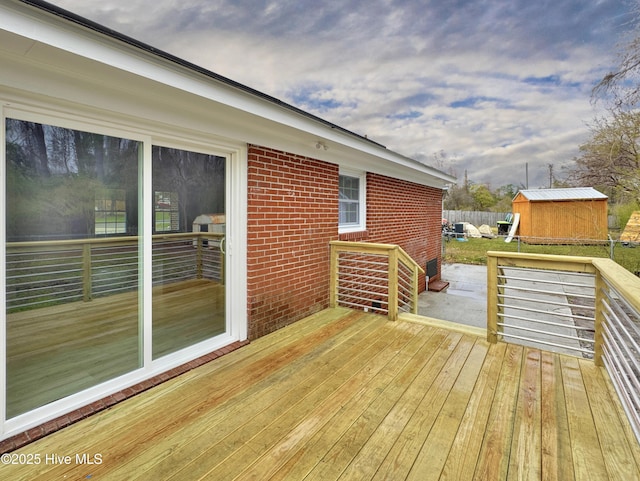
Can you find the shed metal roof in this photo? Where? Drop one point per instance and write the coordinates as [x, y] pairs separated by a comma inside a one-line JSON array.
[[575, 193]]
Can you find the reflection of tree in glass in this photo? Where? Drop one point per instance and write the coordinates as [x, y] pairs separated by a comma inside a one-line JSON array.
[[198, 180], [53, 175]]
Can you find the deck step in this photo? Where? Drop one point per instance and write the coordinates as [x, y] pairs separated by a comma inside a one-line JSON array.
[[439, 323], [438, 285]]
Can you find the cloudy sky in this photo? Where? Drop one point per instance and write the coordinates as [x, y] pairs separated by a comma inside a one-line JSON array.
[[490, 86]]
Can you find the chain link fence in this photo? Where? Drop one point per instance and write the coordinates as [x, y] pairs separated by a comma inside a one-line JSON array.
[[627, 254]]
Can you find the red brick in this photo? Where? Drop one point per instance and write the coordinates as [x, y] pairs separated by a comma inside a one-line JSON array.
[[7, 445], [35, 433], [292, 216]]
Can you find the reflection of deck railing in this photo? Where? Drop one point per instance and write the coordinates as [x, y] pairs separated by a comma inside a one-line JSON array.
[[378, 277], [45, 273], [581, 305]]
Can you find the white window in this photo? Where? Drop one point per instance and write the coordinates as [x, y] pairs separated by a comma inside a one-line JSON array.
[[167, 212], [352, 201], [111, 211]]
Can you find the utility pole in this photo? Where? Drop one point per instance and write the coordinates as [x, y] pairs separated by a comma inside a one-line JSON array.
[[550, 175]]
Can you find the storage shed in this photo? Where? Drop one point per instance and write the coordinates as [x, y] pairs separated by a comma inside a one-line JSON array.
[[209, 223], [561, 216]]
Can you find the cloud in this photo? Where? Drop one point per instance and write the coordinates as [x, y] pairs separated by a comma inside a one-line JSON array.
[[496, 85]]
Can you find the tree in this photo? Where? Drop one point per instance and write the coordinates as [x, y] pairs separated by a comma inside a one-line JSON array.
[[458, 198], [504, 196], [54, 175], [610, 159], [28, 138], [198, 180], [621, 87], [483, 199]]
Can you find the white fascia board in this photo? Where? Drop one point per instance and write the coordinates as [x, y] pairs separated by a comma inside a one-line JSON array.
[[355, 152], [64, 35], [61, 34], [392, 164]]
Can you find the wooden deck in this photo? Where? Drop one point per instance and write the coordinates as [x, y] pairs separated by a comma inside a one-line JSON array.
[[56, 351], [347, 395]]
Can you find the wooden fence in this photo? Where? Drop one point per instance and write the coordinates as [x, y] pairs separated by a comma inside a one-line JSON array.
[[478, 218]]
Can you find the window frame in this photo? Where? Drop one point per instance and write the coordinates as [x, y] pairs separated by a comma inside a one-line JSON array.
[[361, 225]]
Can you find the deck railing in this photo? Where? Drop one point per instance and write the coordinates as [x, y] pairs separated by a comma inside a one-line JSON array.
[[380, 278], [577, 305], [43, 273]]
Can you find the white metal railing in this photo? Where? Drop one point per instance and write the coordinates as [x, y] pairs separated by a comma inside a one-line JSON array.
[[575, 305], [45, 273], [551, 308], [381, 278], [618, 339]]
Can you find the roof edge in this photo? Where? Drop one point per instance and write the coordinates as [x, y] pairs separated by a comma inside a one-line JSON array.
[[358, 143], [101, 29]]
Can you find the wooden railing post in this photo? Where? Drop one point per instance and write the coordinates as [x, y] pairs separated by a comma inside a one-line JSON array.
[[492, 299], [394, 256], [598, 347], [414, 290], [199, 247], [86, 272], [333, 276], [393, 284]]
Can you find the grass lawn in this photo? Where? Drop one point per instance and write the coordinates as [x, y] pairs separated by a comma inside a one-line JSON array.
[[474, 251]]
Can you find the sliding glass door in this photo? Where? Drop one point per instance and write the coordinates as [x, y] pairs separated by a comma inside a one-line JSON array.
[[188, 248], [72, 262], [80, 221]]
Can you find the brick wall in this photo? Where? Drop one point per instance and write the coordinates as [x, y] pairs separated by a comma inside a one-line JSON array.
[[407, 214], [292, 216]]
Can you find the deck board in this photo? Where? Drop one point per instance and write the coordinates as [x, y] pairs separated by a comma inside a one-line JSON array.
[[587, 453], [428, 412], [493, 461], [557, 461], [60, 350], [330, 451], [329, 433], [351, 396], [525, 459], [618, 457], [463, 456], [305, 415], [430, 462]]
